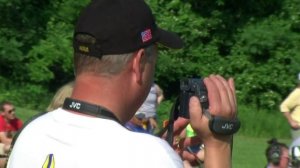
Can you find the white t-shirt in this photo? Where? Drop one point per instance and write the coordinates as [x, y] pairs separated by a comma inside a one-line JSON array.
[[61, 139]]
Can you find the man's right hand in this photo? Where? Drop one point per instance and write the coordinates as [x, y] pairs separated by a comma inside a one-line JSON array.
[[222, 102]]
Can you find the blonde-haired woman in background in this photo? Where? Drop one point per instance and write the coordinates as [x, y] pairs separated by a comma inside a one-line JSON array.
[[59, 97]]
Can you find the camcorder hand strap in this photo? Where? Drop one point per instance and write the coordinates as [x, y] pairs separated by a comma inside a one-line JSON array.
[[221, 125]]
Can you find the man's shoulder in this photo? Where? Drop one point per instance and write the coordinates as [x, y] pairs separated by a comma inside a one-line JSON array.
[[151, 149], [152, 142], [37, 120]]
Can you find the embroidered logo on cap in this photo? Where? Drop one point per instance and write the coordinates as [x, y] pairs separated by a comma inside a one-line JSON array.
[[146, 35], [84, 49]]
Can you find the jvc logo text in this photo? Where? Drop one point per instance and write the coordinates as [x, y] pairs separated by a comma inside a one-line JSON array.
[[75, 105], [227, 126]]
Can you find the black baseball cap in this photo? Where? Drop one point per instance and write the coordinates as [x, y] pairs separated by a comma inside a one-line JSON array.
[[120, 26]]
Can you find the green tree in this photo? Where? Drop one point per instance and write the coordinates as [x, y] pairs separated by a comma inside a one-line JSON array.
[[256, 42]]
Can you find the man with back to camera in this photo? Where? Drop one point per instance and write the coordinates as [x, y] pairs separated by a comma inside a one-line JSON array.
[[115, 51]]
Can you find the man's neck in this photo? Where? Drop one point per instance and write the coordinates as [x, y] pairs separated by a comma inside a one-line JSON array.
[[108, 93]]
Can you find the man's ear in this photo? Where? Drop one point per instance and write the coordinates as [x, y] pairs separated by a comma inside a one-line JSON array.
[[138, 65]]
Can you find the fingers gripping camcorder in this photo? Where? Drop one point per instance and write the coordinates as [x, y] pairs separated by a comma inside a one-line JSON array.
[[195, 87]]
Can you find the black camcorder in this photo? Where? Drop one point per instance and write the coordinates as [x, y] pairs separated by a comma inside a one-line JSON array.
[[195, 87], [192, 87]]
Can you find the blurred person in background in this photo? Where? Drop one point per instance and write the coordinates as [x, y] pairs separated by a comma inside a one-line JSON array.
[[294, 153], [277, 154], [149, 108], [9, 123], [290, 108], [60, 95], [138, 123], [195, 147]]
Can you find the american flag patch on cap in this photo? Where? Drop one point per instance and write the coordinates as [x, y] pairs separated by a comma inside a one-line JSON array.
[[146, 35]]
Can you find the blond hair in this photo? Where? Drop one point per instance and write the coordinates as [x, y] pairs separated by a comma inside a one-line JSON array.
[[59, 97]]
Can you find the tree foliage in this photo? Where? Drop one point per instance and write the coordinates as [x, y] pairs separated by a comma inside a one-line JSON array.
[[256, 42]]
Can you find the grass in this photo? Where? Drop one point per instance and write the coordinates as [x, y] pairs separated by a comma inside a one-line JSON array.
[[248, 151], [24, 114], [263, 123], [255, 122]]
